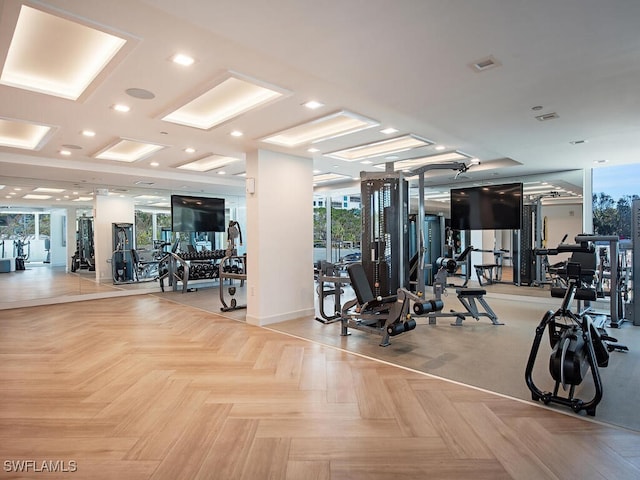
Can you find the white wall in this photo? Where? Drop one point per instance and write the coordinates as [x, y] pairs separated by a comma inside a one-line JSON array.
[[562, 220], [279, 238], [108, 210]]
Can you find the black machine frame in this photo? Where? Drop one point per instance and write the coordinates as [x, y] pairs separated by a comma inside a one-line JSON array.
[[577, 343]]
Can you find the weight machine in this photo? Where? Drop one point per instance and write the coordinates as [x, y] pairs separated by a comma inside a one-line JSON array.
[[84, 256], [386, 316], [578, 345], [330, 282], [467, 297], [385, 213], [382, 281], [20, 254], [122, 262], [617, 289], [232, 267]]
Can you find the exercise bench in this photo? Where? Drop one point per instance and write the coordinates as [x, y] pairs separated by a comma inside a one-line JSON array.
[[470, 298], [487, 272]]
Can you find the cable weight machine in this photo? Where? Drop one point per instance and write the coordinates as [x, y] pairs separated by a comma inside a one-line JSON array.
[[385, 228], [381, 280]]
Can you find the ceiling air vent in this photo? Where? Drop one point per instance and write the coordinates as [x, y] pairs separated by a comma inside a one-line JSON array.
[[485, 64], [547, 116]]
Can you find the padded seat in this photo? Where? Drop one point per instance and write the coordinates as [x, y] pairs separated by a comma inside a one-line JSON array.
[[469, 292], [587, 294], [7, 265]]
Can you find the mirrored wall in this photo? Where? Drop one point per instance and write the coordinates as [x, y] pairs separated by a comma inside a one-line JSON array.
[[55, 250]]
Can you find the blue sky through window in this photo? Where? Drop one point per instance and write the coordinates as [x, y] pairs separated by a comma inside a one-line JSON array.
[[617, 180]]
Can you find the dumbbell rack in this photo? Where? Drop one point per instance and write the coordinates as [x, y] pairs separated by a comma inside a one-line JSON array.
[[232, 267], [191, 267]]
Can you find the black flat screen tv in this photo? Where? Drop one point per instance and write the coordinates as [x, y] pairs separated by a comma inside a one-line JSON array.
[[490, 207], [197, 214]]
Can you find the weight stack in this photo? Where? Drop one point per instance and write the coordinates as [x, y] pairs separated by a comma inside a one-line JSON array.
[[385, 238], [524, 268]]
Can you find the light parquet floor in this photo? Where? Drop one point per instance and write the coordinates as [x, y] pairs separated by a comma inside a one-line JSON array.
[[143, 388]]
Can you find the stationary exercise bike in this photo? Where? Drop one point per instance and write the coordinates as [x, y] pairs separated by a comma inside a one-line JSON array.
[[578, 345]]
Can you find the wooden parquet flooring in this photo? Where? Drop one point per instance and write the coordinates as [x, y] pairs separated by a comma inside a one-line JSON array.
[[143, 388]]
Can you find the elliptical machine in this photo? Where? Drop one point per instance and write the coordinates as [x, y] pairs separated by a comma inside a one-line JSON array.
[[578, 345]]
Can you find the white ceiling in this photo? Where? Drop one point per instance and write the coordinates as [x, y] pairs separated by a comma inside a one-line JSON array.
[[406, 64]]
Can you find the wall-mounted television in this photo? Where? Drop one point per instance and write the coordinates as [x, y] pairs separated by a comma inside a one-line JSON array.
[[197, 214], [490, 207]]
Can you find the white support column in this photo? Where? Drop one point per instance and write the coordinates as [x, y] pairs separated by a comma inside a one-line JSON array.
[[587, 201], [279, 237]]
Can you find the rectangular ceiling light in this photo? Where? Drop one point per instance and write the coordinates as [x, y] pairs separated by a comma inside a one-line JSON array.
[[19, 134], [48, 190], [384, 147], [128, 151], [147, 197], [437, 196], [329, 177], [331, 126], [227, 99], [541, 189], [82, 199], [55, 56], [413, 163], [210, 162], [33, 196]]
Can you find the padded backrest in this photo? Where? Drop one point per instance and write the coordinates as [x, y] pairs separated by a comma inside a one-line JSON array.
[[360, 283], [587, 261]]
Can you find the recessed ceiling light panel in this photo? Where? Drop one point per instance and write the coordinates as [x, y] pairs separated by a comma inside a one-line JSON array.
[[413, 163], [210, 162], [329, 177], [324, 128], [227, 99], [33, 196], [126, 150], [48, 190], [56, 56], [384, 147], [25, 135]]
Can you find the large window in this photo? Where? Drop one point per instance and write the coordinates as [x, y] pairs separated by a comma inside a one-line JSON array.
[[346, 229], [146, 222], [17, 225], [614, 189], [44, 225]]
